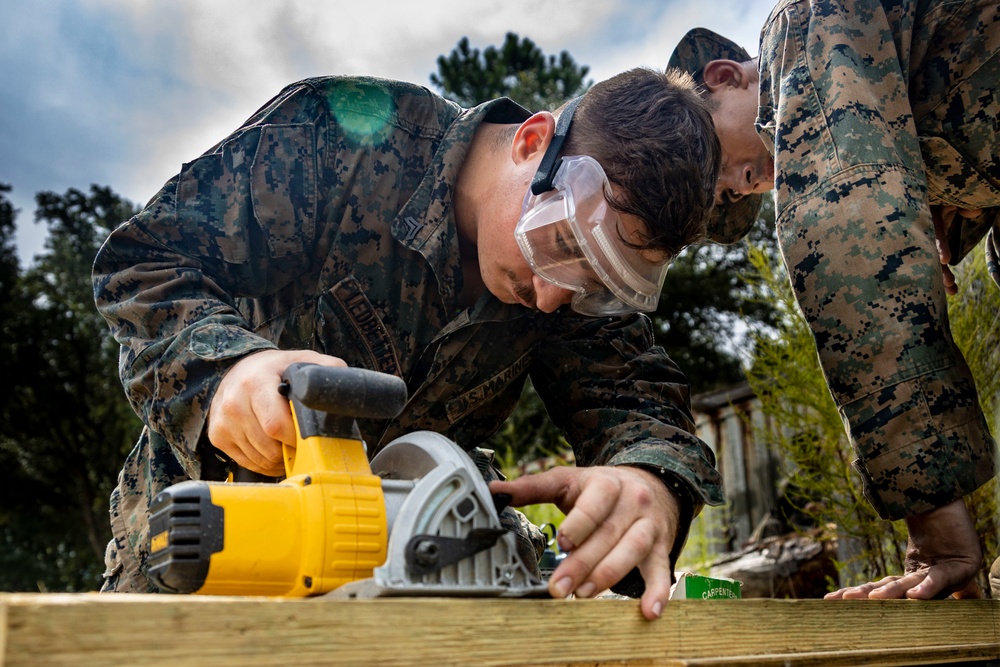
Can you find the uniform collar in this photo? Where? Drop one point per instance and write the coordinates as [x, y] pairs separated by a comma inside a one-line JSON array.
[[426, 224]]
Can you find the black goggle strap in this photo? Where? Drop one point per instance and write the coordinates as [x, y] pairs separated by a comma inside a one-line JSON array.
[[542, 182]]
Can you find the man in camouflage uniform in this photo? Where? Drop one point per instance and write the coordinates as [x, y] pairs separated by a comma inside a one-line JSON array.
[[876, 125], [370, 223]]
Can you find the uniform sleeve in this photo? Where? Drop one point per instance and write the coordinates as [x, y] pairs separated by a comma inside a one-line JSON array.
[[858, 242], [236, 222]]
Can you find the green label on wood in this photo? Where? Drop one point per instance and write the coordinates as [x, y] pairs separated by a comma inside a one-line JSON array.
[[696, 587]]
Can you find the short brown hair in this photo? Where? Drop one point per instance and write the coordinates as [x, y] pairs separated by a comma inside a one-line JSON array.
[[654, 137]]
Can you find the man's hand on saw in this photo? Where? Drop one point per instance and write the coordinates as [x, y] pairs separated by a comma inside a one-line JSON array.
[[617, 518], [942, 557], [248, 419]]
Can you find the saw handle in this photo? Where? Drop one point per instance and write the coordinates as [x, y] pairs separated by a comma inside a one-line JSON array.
[[327, 399], [344, 391]]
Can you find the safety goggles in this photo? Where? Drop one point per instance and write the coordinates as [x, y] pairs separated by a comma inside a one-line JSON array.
[[571, 236]]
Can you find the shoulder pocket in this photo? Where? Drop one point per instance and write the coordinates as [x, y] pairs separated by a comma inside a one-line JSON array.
[[213, 206], [283, 187]]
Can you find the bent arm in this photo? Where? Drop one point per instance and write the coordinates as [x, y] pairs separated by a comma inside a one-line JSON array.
[[858, 242], [236, 222]]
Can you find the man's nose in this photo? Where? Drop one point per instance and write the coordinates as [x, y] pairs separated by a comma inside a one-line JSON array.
[[549, 297], [743, 180], [736, 182]]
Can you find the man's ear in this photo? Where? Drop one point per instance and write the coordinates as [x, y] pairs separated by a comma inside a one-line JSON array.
[[724, 74], [533, 137]]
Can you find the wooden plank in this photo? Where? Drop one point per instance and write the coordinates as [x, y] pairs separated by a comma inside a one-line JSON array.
[[897, 657], [180, 631]]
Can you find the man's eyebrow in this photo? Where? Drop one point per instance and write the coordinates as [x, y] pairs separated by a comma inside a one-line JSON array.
[[561, 243]]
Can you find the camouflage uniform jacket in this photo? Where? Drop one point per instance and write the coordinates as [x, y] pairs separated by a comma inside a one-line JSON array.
[[326, 223], [873, 111]]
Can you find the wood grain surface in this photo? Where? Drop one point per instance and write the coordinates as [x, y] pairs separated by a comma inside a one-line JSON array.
[[180, 631]]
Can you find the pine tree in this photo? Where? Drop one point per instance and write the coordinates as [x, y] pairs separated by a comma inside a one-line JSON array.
[[516, 69]]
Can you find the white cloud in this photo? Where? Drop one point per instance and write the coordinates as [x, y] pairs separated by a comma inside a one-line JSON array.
[[233, 56], [180, 75]]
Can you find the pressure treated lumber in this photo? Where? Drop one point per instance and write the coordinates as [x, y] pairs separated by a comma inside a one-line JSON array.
[[182, 631]]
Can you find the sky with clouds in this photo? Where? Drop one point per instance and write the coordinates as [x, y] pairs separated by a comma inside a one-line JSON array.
[[122, 92]]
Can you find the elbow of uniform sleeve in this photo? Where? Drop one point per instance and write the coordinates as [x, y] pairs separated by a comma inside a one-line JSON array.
[[184, 373], [177, 337], [178, 330]]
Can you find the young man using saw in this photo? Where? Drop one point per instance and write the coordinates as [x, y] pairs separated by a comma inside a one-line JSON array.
[[876, 126], [371, 223]]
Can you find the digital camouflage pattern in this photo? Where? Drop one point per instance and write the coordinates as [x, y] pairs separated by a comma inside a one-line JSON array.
[[326, 223], [874, 111]]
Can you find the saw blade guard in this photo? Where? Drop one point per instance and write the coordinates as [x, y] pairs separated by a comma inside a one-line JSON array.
[[438, 502]]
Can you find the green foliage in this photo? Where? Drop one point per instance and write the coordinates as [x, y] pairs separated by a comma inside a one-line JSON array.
[[974, 314], [516, 69], [9, 265], [528, 434], [821, 486], [546, 513], [65, 425], [706, 540]]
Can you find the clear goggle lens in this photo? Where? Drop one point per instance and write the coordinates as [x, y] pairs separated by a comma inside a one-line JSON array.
[[571, 237]]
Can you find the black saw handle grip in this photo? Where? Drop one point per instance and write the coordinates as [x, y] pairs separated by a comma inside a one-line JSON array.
[[341, 392]]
